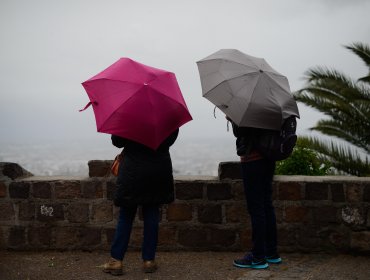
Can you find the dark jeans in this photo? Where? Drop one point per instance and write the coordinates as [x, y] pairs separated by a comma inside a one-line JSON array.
[[124, 227], [257, 177]]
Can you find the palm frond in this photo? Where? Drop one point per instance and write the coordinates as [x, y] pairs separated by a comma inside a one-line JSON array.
[[347, 104], [335, 82], [363, 51], [344, 159], [353, 134]]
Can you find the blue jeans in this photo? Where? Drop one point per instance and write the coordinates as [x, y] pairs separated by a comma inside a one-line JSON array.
[[124, 227], [257, 178]]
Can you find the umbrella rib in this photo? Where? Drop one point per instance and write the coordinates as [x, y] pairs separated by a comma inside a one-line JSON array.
[[115, 80], [278, 83], [236, 62], [167, 73], [226, 80], [226, 59], [107, 119]]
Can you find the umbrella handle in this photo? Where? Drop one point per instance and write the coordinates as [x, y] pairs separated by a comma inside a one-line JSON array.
[[88, 105]]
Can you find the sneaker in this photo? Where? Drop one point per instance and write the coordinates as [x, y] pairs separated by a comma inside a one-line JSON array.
[[113, 267], [274, 259], [149, 266], [251, 262]]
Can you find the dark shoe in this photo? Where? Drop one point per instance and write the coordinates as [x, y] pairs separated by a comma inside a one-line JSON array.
[[251, 262], [149, 266], [274, 259], [113, 267]]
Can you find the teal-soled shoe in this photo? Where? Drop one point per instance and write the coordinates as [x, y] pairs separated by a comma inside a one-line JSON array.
[[251, 262], [276, 259]]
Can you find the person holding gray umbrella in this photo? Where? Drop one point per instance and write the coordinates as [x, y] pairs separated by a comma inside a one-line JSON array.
[[255, 98]]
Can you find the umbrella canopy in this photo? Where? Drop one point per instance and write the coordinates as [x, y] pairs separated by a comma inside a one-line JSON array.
[[137, 102], [246, 89]]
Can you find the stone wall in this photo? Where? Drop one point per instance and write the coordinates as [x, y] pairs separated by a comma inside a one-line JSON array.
[[313, 213]]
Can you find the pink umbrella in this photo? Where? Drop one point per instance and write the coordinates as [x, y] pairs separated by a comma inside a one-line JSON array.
[[137, 102]]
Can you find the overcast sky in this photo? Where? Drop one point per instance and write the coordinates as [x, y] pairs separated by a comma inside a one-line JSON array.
[[48, 47]]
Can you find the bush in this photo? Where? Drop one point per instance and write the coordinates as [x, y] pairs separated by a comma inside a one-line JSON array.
[[303, 161]]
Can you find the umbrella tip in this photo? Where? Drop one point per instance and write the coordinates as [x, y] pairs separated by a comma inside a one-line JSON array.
[[261, 71]]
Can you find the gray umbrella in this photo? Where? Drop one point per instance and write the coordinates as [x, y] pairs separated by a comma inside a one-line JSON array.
[[246, 89]]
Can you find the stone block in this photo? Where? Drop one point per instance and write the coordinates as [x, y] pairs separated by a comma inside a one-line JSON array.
[[237, 213], [111, 188], [287, 235], [109, 234], [77, 213], [99, 168], [41, 190], [296, 214], [219, 191], [102, 213], [17, 237], [68, 189], [192, 237], [19, 190], [92, 189], [360, 241], [67, 238], [136, 238], [237, 190], [179, 212], [337, 192], [189, 190], [354, 192], [89, 237], [39, 236], [289, 191], [13, 170], [49, 212], [167, 236], [210, 214], [116, 213], [316, 191], [3, 189], [353, 216], [7, 212], [245, 237], [2, 239], [308, 238], [222, 237], [366, 192], [26, 211], [325, 214], [229, 170], [335, 238], [279, 213]]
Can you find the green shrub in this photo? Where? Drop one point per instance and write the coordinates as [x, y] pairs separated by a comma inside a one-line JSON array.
[[303, 161]]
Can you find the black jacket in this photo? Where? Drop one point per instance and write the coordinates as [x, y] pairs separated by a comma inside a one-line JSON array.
[[245, 137], [145, 176]]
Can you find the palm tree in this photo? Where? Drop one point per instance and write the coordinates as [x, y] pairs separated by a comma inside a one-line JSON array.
[[346, 103]]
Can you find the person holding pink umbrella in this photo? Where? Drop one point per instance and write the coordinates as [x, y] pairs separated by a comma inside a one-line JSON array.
[[145, 178], [142, 107]]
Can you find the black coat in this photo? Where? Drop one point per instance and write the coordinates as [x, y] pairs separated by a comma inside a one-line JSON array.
[[145, 176], [244, 139]]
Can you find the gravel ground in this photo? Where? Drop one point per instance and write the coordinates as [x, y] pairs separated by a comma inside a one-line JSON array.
[[182, 265]]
